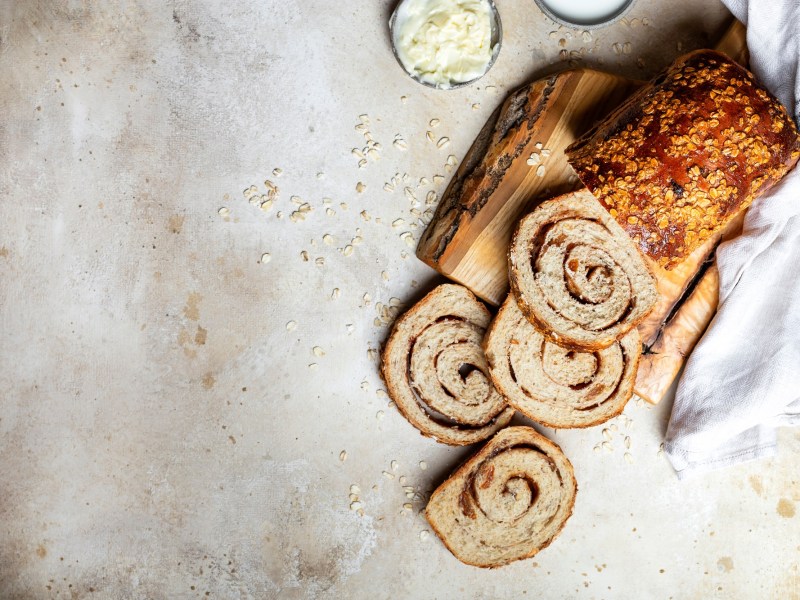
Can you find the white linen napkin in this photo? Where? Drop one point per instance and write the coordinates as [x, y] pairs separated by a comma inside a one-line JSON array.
[[743, 379]]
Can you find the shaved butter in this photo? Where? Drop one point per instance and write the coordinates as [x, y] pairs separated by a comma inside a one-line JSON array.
[[444, 42]]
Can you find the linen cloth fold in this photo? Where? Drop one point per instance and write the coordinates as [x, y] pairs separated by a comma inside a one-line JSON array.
[[743, 379]]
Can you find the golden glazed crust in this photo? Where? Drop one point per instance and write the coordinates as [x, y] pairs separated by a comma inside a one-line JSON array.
[[687, 153]]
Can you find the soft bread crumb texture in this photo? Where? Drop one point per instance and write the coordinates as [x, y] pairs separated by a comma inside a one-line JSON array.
[[436, 372], [507, 502]]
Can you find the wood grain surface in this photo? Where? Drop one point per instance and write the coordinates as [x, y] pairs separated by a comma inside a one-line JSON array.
[[516, 162]]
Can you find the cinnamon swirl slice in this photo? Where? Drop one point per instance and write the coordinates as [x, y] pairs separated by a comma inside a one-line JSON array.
[[556, 386], [436, 372], [577, 275], [507, 502]]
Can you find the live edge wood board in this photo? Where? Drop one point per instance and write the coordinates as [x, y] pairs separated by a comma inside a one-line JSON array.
[[516, 162]]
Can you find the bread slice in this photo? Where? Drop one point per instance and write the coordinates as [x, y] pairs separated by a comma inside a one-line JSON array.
[[577, 275], [553, 385], [507, 502], [686, 153], [436, 372]]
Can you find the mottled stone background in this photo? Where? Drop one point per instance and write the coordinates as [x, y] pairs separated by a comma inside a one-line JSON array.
[[165, 434]]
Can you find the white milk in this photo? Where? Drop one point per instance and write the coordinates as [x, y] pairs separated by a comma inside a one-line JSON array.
[[585, 12]]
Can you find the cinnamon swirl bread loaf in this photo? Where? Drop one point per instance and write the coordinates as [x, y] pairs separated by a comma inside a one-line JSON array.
[[686, 153], [557, 386], [577, 275], [436, 372], [507, 502]]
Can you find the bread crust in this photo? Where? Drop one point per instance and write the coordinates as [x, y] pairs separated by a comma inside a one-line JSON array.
[[686, 153]]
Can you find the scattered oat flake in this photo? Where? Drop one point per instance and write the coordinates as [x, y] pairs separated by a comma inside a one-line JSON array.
[[379, 415], [224, 211], [400, 143], [388, 475], [291, 325], [304, 255], [398, 223], [335, 293], [437, 179], [424, 535], [443, 142], [277, 172], [476, 106], [388, 187], [348, 250], [423, 465], [395, 465], [354, 489], [412, 197], [355, 505], [385, 275], [540, 171], [534, 159], [318, 351], [403, 99], [350, 327], [313, 366], [362, 164], [360, 187], [408, 238], [343, 455], [430, 136], [628, 441], [265, 258], [330, 212], [408, 506], [628, 457]]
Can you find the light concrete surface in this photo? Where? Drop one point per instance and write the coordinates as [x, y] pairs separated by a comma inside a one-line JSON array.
[[167, 428]]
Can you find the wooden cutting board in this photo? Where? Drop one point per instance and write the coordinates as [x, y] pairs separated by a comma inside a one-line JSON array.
[[516, 162]]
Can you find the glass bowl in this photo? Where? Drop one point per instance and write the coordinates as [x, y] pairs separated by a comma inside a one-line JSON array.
[[496, 41]]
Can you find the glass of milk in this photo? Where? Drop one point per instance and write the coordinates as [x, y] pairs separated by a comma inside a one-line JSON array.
[[585, 14]]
